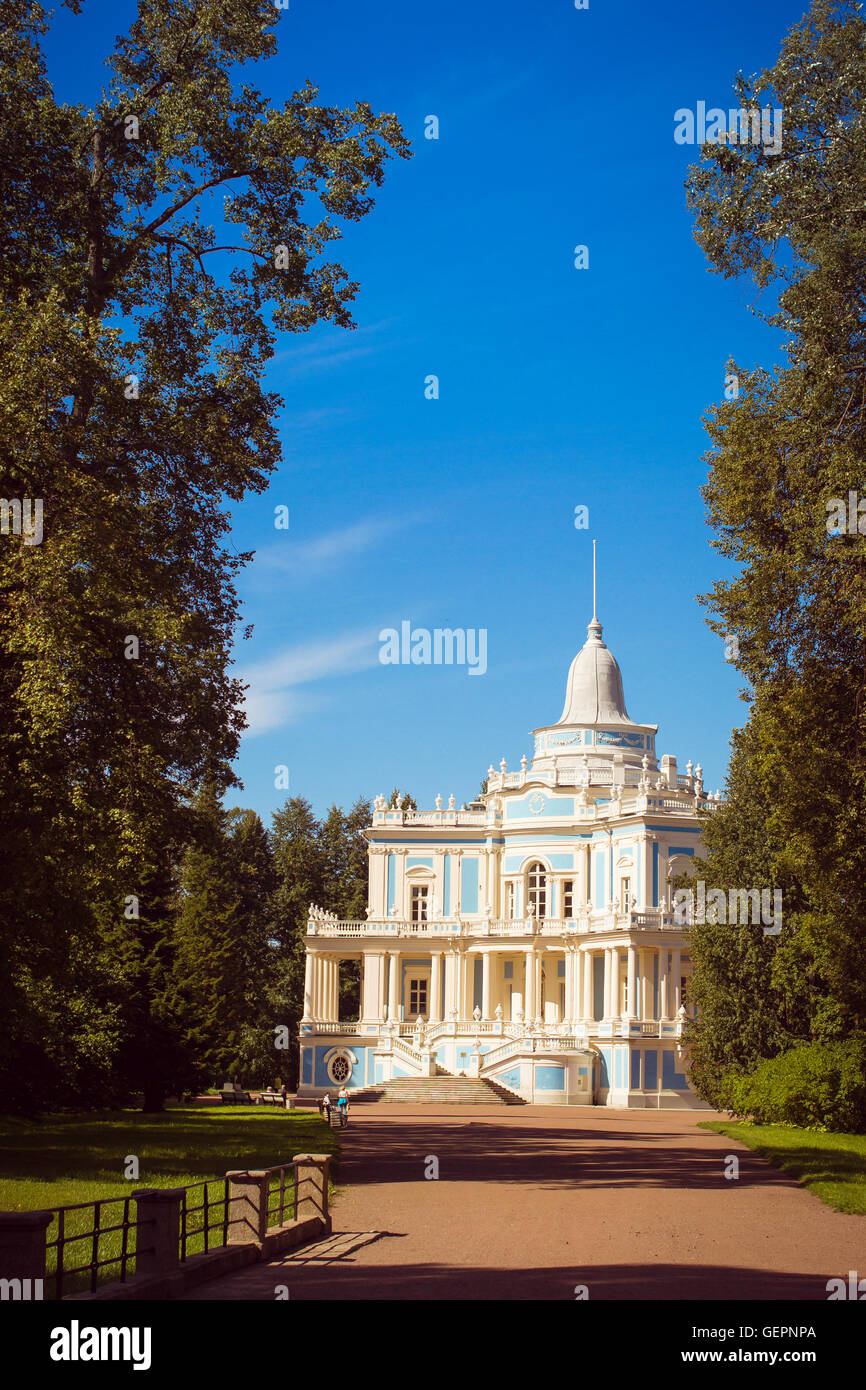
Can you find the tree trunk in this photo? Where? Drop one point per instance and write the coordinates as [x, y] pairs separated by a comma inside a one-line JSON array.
[[154, 1096]]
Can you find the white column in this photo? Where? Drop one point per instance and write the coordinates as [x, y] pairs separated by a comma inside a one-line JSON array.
[[380, 1001], [369, 982], [335, 1005], [664, 983], [609, 963], [438, 883], [463, 1009], [309, 1005], [393, 1012], [539, 1006], [677, 974], [325, 1001], [529, 1005], [400, 890], [645, 850], [435, 1001], [321, 968], [485, 985], [569, 983], [632, 979], [579, 985], [378, 885], [456, 897]]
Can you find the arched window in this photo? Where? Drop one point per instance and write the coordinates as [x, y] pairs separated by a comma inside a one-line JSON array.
[[536, 888]]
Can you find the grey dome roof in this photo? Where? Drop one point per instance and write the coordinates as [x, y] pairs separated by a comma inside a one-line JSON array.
[[594, 693]]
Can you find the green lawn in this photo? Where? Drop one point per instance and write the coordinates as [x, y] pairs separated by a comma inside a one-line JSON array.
[[64, 1159], [833, 1166]]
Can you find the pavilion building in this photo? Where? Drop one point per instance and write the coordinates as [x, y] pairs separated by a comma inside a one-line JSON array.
[[529, 939]]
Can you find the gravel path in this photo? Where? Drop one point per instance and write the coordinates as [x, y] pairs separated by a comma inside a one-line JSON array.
[[535, 1201]]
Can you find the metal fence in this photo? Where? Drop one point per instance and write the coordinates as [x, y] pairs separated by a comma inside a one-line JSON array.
[[113, 1235]]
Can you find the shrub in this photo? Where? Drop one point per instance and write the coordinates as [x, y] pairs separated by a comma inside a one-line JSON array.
[[819, 1085]]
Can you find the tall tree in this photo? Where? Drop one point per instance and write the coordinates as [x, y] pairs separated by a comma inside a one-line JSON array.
[[133, 340], [794, 440]]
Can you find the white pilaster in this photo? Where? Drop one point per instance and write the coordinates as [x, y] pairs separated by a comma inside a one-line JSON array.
[[529, 996], [435, 1001], [393, 1000], [632, 980], [309, 1003]]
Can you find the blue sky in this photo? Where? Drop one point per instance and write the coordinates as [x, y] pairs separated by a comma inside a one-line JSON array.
[[558, 387]]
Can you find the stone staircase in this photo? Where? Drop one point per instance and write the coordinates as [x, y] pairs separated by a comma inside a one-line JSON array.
[[438, 1090]]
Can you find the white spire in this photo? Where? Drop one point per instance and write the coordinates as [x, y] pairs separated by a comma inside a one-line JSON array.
[[594, 609]]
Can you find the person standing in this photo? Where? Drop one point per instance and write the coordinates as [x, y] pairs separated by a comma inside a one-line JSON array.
[[343, 1107], [326, 1108]]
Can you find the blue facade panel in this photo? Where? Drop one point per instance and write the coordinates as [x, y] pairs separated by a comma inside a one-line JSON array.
[[650, 1069], [604, 1066], [550, 1078], [671, 1081], [469, 886], [598, 987]]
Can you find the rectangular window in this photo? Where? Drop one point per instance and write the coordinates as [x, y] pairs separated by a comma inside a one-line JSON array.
[[419, 902], [509, 901], [625, 894], [417, 999], [568, 897], [509, 970]]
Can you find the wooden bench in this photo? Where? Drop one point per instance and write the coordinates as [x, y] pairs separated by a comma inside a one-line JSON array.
[[272, 1098], [232, 1097]]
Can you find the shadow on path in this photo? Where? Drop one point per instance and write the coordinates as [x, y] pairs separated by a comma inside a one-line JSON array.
[[422, 1282], [389, 1151]]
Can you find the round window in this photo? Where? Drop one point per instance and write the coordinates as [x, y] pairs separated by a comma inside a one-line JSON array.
[[340, 1069]]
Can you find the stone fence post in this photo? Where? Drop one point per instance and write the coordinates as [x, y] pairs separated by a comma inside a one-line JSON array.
[[22, 1251], [157, 1238], [248, 1205], [311, 1175]]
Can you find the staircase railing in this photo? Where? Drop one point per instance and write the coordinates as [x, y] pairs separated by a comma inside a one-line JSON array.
[[408, 1053]]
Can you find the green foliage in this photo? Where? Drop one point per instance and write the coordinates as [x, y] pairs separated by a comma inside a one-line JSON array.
[[832, 1166], [408, 804], [112, 271], [322, 863], [818, 1085], [795, 816]]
